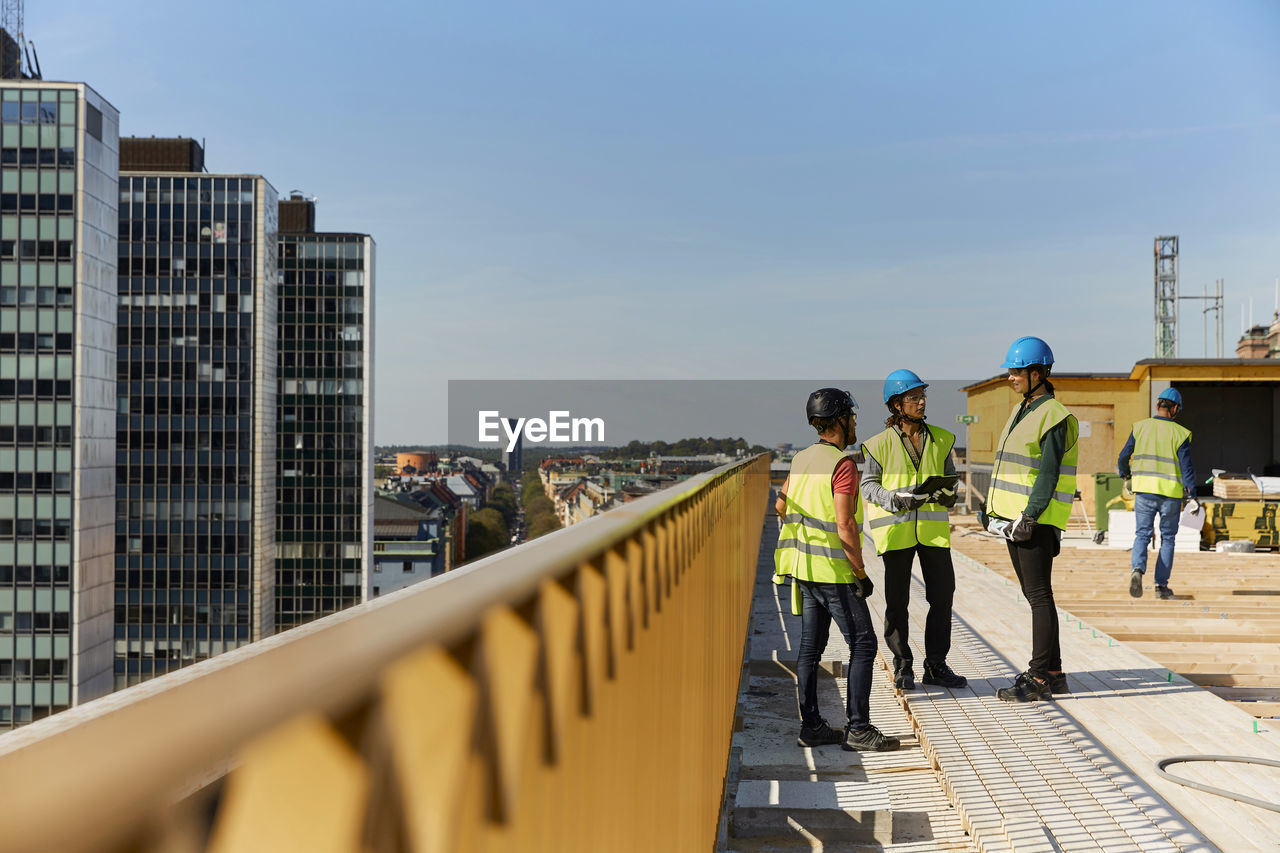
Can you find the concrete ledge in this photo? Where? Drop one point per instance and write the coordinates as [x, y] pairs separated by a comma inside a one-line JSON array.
[[769, 807]]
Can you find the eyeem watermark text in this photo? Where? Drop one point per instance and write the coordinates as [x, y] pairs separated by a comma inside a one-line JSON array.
[[558, 426]]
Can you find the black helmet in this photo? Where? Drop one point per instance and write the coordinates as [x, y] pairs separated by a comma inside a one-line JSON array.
[[829, 403]]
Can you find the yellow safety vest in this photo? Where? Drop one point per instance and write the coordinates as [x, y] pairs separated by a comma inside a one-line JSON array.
[[809, 544], [1017, 465], [1154, 464], [928, 525]]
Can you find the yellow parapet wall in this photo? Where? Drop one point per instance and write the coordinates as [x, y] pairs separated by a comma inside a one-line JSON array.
[[575, 693]]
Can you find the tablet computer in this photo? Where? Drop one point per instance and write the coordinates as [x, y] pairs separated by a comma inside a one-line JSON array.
[[936, 482]]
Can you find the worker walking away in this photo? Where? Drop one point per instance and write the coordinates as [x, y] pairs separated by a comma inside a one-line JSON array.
[[908, 485], [1157, 458], [1033, 483], [820, 549]]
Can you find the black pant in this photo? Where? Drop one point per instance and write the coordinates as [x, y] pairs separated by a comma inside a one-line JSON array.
[[939, 588], [1033, 562], [822, 604]]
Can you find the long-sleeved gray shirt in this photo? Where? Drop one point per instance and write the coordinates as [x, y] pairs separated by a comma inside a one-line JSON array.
[[877, 494]]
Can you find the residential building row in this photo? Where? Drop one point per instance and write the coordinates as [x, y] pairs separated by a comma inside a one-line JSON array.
[[581, 488], [421, 517]]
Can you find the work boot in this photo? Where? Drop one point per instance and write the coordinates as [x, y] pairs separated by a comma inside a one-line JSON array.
[[942, 675], [820, 735], [903, 676], [1026, 688], [869, 739], [1135, 584], [1163, 592], [1058, 683]]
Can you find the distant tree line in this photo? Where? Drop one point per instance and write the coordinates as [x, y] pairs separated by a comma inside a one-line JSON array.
[[489, 529], [539, 512], [683, 447], [488, 453]]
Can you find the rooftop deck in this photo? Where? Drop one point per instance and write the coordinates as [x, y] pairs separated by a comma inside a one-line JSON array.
[[579, 693], [1074, 774]]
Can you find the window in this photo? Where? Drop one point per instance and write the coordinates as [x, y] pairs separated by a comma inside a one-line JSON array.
[[93, 121]]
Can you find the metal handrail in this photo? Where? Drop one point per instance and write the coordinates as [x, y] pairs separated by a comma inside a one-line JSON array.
[[565, 616]]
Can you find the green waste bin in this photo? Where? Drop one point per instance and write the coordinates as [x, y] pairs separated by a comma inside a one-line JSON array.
[[1105, 487]]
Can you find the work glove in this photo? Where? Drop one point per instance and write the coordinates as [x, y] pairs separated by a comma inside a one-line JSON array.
[[946, 497], [863, 587], [1128, 484], [1021, 529], [907, 501], [1193, 506]]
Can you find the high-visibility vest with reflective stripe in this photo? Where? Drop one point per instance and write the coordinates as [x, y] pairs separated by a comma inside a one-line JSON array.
[[1017, 465], [928, 525], [809, 544], [1154, 464]]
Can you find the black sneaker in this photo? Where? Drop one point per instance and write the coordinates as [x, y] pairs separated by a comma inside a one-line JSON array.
[[903, 676], [820, 735], [1135, 584], [1163, 592], [1058, 683], [942, 675], [869, 739], [1026, 688]]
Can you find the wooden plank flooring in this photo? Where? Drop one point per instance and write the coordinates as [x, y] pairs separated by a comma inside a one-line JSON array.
[[1025, 777], [1222, 630], [1126, 710]]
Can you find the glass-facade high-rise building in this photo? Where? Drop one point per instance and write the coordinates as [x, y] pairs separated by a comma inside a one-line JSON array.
[[324, 514], [58, 171], [196, 415]]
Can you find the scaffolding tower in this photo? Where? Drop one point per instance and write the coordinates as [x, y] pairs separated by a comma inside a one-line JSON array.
[[1166, 263], [11, 39]]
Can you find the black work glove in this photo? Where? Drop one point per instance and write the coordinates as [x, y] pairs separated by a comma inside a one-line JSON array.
[[946, 497], [1021, 529], [863, 587]]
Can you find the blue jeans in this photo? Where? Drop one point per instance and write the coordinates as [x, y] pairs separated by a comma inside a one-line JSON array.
[[1145, 507], [820, 604]]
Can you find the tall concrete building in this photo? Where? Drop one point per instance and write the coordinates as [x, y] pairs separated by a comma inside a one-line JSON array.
[[196, 403], [58, 172], [514, 458], [324, 513]]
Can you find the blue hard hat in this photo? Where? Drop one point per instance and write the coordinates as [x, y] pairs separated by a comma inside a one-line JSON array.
[[1026, 351], [900, 382], [1172, 395]]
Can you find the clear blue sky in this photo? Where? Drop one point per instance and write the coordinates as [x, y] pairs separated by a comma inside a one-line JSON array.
[[727, 189]]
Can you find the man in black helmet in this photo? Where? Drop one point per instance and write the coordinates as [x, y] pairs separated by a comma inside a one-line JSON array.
[[820, 549]]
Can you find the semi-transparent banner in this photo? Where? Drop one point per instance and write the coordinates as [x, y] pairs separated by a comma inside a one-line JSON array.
[[496, 414]]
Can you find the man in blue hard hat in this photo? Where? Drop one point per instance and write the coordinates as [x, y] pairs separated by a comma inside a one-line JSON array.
[[1157, 458], [1033, 483], [907, 516], [820, 549]]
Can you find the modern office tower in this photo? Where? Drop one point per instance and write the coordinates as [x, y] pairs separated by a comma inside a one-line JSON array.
[[58, 156], [324, 514], [196, 397]]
